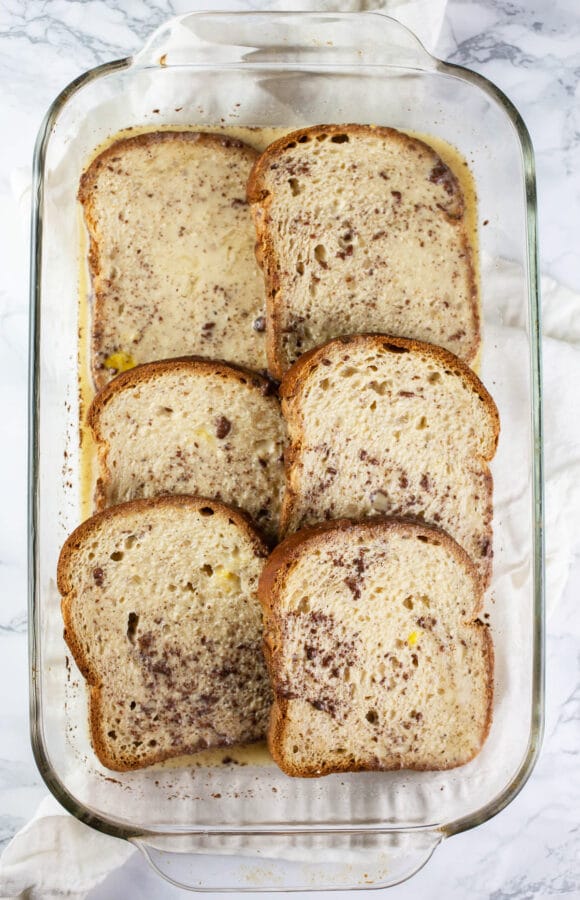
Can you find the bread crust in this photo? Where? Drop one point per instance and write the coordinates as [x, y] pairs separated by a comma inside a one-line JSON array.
[[145, 372], [296, 379], [66, 589], [118, 764], [82, 531], [293, 547], [140, 375], [272, 579], [260, 200], [146, 139], [279, 711], [85, 195], [271, 582]]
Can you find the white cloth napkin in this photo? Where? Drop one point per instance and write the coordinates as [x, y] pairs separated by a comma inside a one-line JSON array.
[[561, 377], [56, 856]]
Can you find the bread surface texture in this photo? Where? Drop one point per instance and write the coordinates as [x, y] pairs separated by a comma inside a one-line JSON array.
[[191, 426], [361, 228], [172, 252], [375, 653], [159, 600], [385, 425]]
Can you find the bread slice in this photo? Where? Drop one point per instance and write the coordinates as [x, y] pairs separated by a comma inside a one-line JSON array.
[[161, 615], [361, 228], [378, 424], [375, 654], [172, 252], [191, 426]]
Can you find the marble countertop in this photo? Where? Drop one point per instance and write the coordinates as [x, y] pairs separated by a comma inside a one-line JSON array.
[[532, 51]]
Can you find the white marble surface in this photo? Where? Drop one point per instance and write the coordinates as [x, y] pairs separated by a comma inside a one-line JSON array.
[[532, 51]]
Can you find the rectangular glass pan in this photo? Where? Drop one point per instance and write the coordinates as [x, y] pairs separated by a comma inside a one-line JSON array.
[[257, 828]]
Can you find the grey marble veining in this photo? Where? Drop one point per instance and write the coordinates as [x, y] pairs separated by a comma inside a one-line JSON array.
[[531, 51]]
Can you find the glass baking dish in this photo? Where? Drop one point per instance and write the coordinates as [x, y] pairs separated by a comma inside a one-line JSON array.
[[249, 827]]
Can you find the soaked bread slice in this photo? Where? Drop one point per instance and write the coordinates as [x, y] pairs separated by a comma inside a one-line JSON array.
[[375, 654], [378, 424], [361, 228], [191, 426], [161, 615], [172, 252]]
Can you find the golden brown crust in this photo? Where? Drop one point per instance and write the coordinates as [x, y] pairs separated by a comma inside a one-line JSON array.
[[83, 532], [85, 196], [74, 540], [145, 372], [255, 190], [260, 200], [140, 375], [283, 556], [277, 725], [118, 764], [79, 536], [297, 377], [273, 576], [490, 668], [148, 138]]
